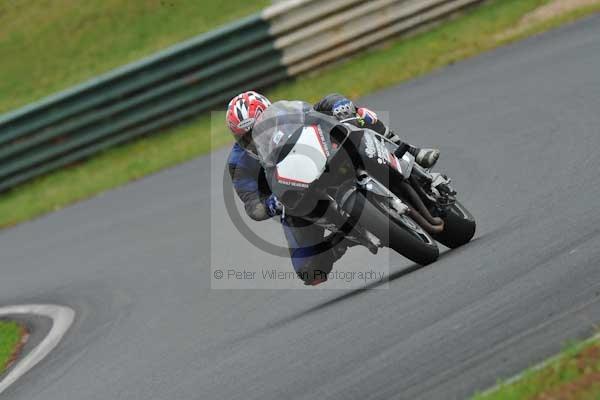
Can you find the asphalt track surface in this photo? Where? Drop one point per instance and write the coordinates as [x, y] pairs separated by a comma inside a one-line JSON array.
[[519, 130]]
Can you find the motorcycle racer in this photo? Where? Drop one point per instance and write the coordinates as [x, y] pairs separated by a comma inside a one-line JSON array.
[[312, 254]]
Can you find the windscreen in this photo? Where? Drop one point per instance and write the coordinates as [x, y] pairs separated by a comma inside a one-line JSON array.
[[276, 126]]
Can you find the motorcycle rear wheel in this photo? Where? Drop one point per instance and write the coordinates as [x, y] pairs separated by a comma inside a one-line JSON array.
[[398, 232]]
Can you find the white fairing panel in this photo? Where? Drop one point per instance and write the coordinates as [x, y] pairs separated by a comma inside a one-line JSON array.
[[306, 161]]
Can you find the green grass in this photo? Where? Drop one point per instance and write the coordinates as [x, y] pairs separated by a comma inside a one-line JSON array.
[[574, 374], [49, 45], [10, 339], [478, 30]]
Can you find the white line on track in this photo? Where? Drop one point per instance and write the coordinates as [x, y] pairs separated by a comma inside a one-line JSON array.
[[62, 318]]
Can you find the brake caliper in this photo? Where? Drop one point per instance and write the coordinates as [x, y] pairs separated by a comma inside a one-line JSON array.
[[441, 189]]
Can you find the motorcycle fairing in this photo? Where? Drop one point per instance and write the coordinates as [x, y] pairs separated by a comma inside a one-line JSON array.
[[306, 160]]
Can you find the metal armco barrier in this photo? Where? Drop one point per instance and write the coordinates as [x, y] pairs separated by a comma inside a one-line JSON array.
[[194, 76]]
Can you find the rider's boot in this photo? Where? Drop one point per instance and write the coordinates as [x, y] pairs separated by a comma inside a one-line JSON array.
[[426, 158]]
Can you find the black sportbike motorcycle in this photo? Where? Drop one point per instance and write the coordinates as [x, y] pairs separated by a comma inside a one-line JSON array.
[[353, 180]]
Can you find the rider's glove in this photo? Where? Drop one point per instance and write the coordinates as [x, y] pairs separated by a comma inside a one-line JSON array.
[[274, 206], [368, 116], [343, 109]]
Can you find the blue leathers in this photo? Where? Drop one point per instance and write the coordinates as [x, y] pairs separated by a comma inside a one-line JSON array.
[[249, 182], [310, 255]]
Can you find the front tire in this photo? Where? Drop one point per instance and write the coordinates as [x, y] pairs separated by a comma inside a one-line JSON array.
[[459, 227], [398, 232]]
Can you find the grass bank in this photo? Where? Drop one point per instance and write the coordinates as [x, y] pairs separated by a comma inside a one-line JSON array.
[[574, 374], [11, 335], [490, 25], [46, 46]]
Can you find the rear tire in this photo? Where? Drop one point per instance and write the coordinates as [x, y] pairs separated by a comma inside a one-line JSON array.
[[398, 232], [459, 227]]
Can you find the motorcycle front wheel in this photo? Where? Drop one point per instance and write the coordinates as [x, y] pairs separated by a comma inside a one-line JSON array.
[[459, 227], [396, 231]]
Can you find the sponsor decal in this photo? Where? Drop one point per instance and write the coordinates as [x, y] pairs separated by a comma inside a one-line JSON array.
[[277, 137], [321, 139], [286, 182], [290, 182], [246, 124], [382, 151], [369, 145], [295, 184]]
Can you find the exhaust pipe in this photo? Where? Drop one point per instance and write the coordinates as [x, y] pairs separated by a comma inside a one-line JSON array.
[[423, 223], [416, 202]]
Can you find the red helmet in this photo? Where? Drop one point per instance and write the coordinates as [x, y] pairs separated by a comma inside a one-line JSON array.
[[243, 110]]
